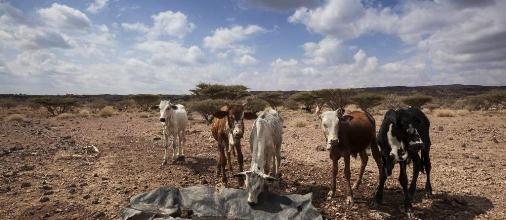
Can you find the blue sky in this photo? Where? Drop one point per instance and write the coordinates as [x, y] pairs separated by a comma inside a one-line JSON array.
[[126, 46]]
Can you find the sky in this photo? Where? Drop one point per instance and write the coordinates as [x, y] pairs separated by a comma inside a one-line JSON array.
[[169, 46]]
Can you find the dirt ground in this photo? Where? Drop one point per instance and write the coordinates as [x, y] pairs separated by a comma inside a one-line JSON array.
[[49, 169]]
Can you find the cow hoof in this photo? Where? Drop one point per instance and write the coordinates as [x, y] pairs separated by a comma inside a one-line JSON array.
[[375, 204], [349, 201], [163, 163], [330, 195], [410, 214], [355, 186]]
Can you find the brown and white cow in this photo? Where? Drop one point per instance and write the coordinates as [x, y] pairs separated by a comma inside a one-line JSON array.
[[228, 128], [347, 135]]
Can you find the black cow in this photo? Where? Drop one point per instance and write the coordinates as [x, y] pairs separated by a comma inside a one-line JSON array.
[[402, 135]]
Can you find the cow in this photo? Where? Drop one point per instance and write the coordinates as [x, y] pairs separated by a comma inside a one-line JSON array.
[[228, 128], [174, 121], [347, 135], [404, 133], [265, 145]]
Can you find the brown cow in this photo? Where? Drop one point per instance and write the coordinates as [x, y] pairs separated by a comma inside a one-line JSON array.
[[228, 129], [347, 135]]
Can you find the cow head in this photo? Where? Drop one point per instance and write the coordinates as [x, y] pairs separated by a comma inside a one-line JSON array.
[[255, 181], [235, 116], [402, 134], [330, 125], [166, 109]]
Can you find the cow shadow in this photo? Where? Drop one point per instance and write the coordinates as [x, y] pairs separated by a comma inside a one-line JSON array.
[[441, 205], [198, 165]]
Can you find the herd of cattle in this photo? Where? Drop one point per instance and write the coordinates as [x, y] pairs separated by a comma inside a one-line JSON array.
[[402, 135]]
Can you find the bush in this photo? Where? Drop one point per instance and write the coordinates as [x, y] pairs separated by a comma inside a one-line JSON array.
[[125, 104], [273, 98], [218, 91], [207, 107], [417, 101], [291, 104], [84, 113], [334, 98], [444, 113], [107, 111], [16, 117], [367, 100], [300, 124], [56, 105], [97, 104], [145, 101], [8, 103], [65, 116], [392, 102], [308, 99], [486, 101], [256, 105]]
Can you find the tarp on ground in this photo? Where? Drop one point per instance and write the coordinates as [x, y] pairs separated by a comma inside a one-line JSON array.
[[205, 202]]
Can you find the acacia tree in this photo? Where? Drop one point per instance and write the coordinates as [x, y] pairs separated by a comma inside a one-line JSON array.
[[367, 100], [56, 105], [273, 98], [218, 91], [145, 101], [207, 107], [334, 98], [308, 99]]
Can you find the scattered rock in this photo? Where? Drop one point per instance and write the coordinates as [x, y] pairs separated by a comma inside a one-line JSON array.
[[27, 167], [320, 148], [494, 139], [46, 187], [440, 128], [463, 145], [44, 199], [87, 196], [50, 192], [95, 201], [58, 210], [157, 138], [95, 175], [72, 190], [25, 184], [4, 189], [9, 174], [47, 215], [99, 215], [204, 181]]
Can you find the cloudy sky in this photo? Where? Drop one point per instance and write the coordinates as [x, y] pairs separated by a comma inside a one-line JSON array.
[[127, 46]]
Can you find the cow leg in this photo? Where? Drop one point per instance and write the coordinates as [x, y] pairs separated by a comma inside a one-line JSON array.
[[403, 179], [335, 162], [363, 158], [378, 197], [240, 160], [427, 165], [228, 147], [182, 141], [222, 164], [278, 162], [166, 144], [347, 176], [416, 170], [376, 155], [174, 146]]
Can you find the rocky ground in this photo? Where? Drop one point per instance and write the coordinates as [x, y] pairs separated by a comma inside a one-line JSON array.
[[88, 168]]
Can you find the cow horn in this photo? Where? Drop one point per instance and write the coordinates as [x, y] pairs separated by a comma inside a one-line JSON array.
[[241, 174], [268, 177]]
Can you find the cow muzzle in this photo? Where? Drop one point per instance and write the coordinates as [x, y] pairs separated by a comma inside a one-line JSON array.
[[162, 119], [400, 155]]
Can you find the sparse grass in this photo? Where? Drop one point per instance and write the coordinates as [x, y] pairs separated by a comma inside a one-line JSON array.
[[64, 116], [107, 111], [450, 113], [426, 111], [145, 114], [16, 117], [300, 124]]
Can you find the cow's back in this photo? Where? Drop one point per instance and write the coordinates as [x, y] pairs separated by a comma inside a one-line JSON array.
[[358, 131], [180, 118]]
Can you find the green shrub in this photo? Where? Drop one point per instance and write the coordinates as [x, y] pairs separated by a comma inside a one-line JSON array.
[[308, 99], [107, 111], [56, 105], [273, 98], [486, 101], [417, 100], [206, 108], [145, 101], [334, 98], [256, 105], [291, 104], [367, 100], [218, 91]]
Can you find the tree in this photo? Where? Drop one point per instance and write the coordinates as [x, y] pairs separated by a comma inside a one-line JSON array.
[[206, 108], [291, 104], [218, 91], [367, 100], [486, 101], [256, 105], [56, 105], [145, 101], [417, 100], [273, 98], [334, 98], [308, 99]]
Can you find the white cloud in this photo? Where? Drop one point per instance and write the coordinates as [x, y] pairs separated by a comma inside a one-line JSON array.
[[326, 52], [167, 23], [246, 59], [278, 5], [225, 38], [64, 17], [159, 55], [97, 6]]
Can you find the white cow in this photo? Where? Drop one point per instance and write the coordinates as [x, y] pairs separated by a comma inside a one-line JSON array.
[[174, 120], [265, 144]]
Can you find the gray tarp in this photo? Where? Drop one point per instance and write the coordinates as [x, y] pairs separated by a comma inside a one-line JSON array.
[[204, 202]]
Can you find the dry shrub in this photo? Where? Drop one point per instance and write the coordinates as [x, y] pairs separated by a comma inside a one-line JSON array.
[[444, 113], [300, 124], [107, 111], [426, 110], [66, 115], [16, 117], [84, 113], [462, 112]]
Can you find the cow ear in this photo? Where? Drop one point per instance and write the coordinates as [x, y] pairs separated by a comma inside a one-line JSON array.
[[220, 114], [173, 107], [268, 177], [340, 112], [391, 115], [250, 115]]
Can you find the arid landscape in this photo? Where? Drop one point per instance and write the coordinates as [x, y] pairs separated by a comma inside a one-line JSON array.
[[87, 167]]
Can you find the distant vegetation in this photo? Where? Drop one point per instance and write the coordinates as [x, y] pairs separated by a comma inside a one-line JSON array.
[[206, 108], [145, 101], [367, 100], [417, 100], [56, 105]]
